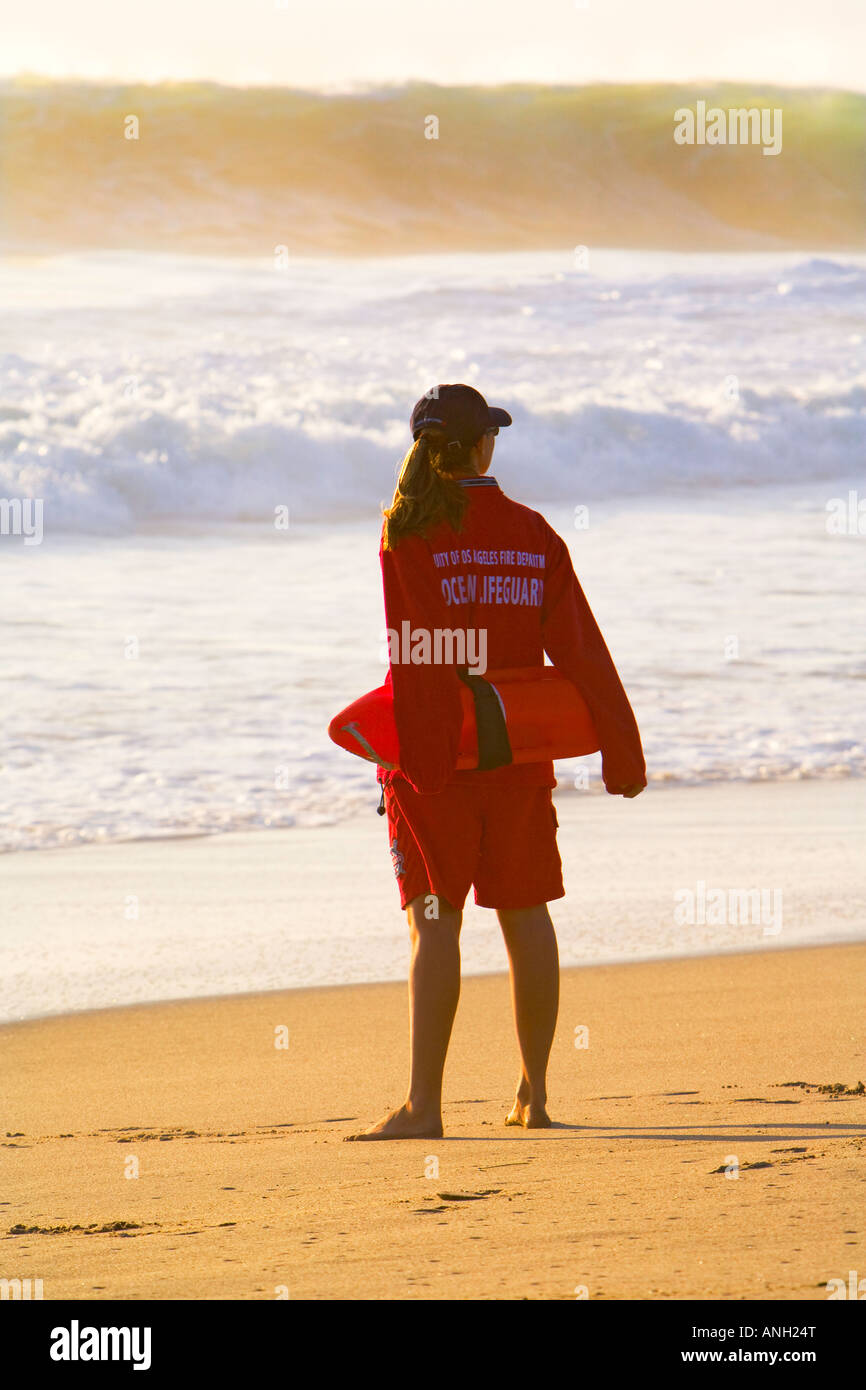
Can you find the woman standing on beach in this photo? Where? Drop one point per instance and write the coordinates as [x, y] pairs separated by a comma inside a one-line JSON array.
[[457, 554]]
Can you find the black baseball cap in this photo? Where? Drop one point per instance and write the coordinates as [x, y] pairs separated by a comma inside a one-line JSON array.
[[461, 411]]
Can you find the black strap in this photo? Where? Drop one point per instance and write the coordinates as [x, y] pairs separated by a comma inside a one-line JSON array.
[[494, 745]]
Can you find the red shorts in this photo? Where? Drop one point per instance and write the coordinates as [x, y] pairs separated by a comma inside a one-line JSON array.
[[501, 840]]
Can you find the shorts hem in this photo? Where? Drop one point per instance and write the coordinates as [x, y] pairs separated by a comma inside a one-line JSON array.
[[456, 901], [512, 906]]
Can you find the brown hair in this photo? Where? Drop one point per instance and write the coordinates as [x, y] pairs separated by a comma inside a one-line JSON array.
[[427, 490]]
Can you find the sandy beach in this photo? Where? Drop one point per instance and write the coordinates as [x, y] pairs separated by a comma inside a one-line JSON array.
[[141, 1143]]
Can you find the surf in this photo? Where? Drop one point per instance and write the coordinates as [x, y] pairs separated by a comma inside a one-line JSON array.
[[242, 170]]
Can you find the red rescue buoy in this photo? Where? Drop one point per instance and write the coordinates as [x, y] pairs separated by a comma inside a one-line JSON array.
[[545, 715]]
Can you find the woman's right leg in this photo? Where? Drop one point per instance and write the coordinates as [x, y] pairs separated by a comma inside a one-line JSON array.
[[534, 964], [434, 990]]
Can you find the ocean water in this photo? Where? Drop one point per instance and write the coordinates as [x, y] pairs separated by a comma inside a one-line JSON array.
[[204, 168], [172, 656]]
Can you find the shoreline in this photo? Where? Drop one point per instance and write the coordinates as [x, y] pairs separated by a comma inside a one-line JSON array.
[[104, 926], [258, 995]]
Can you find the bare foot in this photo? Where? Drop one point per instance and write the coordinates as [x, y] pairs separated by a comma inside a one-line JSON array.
[[403, 1124], [529, 1116], [526, 1112]]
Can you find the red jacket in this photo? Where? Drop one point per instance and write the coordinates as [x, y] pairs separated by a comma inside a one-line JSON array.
[[508, 572]]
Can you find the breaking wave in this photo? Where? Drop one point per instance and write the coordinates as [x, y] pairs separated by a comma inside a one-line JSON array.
[[230, 170]]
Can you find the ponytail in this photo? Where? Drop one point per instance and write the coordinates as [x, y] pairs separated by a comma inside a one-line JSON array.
[[427, 491]]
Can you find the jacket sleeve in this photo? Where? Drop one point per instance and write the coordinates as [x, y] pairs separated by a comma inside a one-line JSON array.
[[574, 643], [427, 706]]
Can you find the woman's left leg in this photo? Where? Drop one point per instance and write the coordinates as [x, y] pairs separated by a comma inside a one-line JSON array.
[[434, 989], [533, 960]]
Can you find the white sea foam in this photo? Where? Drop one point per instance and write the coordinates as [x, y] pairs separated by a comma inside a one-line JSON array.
[[140, 390]]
